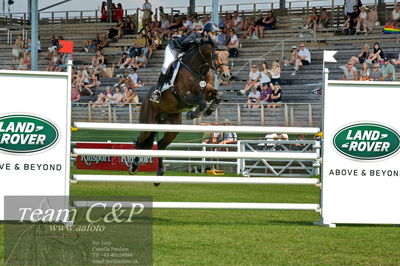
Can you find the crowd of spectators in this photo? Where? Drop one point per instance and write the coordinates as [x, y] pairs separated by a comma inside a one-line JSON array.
[[382, 69], [359, 19]]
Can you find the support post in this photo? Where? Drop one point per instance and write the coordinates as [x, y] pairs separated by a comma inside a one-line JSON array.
[[214, 12], [34, 34]]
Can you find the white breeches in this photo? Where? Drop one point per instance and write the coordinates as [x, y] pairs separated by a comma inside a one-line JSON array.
[[169, 57]]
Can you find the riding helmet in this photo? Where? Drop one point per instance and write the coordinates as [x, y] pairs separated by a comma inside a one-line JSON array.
[[211, 27]]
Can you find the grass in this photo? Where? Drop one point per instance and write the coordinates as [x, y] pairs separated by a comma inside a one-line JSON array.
[[240, 237]]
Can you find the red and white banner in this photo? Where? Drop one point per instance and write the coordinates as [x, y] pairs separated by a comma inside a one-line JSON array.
[[113, 163]]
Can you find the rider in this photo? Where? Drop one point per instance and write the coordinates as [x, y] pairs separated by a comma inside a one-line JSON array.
[[176, 47]]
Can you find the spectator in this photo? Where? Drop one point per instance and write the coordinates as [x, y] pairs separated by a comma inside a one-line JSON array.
[[75, 95], [141, 61], [228, 137], [91, 45], [276, 96], [250, 26], [197, 24], [122, 60], [233, 44], [265, 79], [150, 45], [237, 21], [187, 24], [53, 48], [103, 17], [293, 57], [362, 57], [133, 76], [253, 98], [349, 26], [395, 19], [396, 61], [258, 28], [108, 94], [146, 9], [29, 45], [94, 84], [265, 95], [372, 18], [228, 21], [54, 62], [276, 74], [350, 72], [303, 59], [365, 72], [25, 62], [98, 61], [118, 13], [376, 73], [134, 51], [324, 19], [101, 98], [254, 78], [63, 63], [377, 54], [222, 38], [18, 48], [247, 23], [116, 97], [130, 97], [362, 21], [387, 70], [349, 7], [129, 26], [313, 19], [268, 23]]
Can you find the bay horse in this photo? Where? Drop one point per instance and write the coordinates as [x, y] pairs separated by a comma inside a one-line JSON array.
[[193, 87]]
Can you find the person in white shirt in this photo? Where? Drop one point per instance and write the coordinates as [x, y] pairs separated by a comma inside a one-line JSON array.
[[197, 24], [133, 76], [187, 24], [253, 98], [254, 78], [237, 21], [303, 59]]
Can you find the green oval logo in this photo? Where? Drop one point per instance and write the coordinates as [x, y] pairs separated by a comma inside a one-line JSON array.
[[26, 134], [367, 141]]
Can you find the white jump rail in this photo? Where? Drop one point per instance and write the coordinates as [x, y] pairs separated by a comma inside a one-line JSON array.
[[207, 205], [197, 180], [198, 154], [194, 128]]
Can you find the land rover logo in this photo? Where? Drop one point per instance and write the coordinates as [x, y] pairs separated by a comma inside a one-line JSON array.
[[26, 134], [367, 141]]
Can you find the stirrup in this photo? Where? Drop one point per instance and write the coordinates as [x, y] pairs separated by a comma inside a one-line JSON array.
[[155, 96]]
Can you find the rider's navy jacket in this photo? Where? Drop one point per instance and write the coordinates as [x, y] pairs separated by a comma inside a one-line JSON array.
[[184, 43]]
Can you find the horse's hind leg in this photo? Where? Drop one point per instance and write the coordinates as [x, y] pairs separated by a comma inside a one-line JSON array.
[[144, 141]]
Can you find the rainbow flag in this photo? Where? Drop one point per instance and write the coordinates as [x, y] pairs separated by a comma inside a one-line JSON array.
[[390, 30]]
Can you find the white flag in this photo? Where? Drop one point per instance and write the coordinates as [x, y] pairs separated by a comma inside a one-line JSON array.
[[328, 56]]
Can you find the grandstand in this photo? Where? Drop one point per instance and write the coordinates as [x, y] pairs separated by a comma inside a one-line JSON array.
[[301, 100]]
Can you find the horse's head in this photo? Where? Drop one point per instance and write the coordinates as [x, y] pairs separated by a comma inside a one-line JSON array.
[[220, 62]]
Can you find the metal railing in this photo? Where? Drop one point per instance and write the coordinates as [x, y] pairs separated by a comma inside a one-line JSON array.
[[282, 114]]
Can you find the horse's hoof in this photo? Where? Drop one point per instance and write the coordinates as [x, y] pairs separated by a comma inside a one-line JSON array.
[[207, 113], [189, 115], [156, 184], [133, 169], [160, 172]]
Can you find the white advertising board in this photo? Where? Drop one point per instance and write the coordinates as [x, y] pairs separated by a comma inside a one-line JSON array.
[[34, 134], [361, 161]]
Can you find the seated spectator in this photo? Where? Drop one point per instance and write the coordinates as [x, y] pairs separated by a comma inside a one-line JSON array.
[[29, 45], [25, 62], [133, 76], [222, 38], [18, 48], [150, 45], [313, 19], [276, 96], [387, 70], [53, 48], [303, 59], [259, 26], [228, 137], [141, 61], [254, 78], [100, 102], [350, 72], [233, 44], [372, 18], [376, 73], [324, 19], [75, 95], [95, 83], [136, 50], [247, 23], [116, 97], [237, 22], [377, 54], [268, 23], [187, 24], [275, 72], [362, 56], [197, 23], [157, 41], [130, 97], [253, 98], [265, 95], [362, 21], [365, 73], [99, 60], [91, 45], [395, 19], [54, 61], [349, 26], [108, 94], [129, 26], [63, 63], [122, 59], [228, 21], [293, 57], [396, 61], [265, 76]]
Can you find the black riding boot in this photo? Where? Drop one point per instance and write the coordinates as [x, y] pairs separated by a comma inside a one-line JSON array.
[[156, 94]]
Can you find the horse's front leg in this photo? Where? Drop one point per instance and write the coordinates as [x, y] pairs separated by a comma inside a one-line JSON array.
[[199, 102], [214, 103]]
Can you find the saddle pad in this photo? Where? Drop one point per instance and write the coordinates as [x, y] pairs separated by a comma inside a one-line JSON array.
[[171, 82]]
